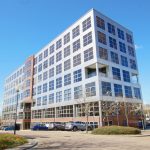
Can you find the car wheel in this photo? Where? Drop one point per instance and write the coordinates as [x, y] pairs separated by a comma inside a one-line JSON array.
[[55, 129], [89, 128], [75, 128]]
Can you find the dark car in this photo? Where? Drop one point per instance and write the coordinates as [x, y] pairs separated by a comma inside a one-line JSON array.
[[39, 127], [3, 127], [9, 128], [56, 126]]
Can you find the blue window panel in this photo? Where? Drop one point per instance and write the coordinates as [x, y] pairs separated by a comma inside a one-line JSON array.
[[126, 76], [118, 90], [128, 91]]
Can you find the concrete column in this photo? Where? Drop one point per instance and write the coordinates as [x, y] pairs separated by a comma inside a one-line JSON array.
[[100, 115], [74, 112], [55, 115]]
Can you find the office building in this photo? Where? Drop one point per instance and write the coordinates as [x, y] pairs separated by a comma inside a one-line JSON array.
[[90, 66]]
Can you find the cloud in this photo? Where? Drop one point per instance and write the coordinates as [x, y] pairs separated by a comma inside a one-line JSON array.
[[138, 46]]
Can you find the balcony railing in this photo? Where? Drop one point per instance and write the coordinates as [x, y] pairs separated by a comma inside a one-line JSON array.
[[103, 74]]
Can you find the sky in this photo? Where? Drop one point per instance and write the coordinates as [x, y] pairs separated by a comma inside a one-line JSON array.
[[27, 25]]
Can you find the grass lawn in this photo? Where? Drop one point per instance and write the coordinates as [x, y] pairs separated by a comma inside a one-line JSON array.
[[10, 141], [116, 130]]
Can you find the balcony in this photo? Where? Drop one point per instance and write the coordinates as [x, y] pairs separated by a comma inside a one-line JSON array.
[[103, 74]]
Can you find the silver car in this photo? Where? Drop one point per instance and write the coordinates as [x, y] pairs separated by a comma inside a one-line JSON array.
[[77, 125]]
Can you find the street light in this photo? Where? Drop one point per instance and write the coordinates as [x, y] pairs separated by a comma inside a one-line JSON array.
[[17, 91]]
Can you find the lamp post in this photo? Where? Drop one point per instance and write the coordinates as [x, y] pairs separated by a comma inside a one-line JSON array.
[[17, 91]]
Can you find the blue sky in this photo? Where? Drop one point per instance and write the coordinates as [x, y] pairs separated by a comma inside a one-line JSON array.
[[27, 25]]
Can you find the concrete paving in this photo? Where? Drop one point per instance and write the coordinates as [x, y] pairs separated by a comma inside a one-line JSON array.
[[65, 140]]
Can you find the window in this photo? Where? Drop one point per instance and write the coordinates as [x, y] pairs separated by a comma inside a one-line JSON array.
[[129, 38], [67, 79], [122, 47], [51, 60], [131, 51], [44, 87], [44, 102], [88, 54], [45, 75], [87, 39], [67, 38], [51, 85], [120, 34], [77, 92], [133, 64], [77, 60], [111, 28], [51, 98], [67, 95], [58, 68], [39, 101], [112, 43], [51, 72], [40, 57], [58, 44], [116, 73], [35, 62], [103, 54], [118, 90], [100, 23], [39, 67], [76, 45], [67, 65], [102, 38], [39, 89], [59, 82], [90, 89], [128, 91], [45, 53], [35, 70], [106, 88], [67, 51], [75, 32], [51, 49], [58, 97], [40, 78], [124, 61], [86, 24], [114, 58], [34, 91], [77, 75], [137, 93], [45, 64], [58, 56], [126, 76]]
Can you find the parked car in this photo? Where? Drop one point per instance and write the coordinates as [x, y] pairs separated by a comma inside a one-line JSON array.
[[3, 127], [78, 125], [8, 128], [94, 124], [56, 126], [39, 127]]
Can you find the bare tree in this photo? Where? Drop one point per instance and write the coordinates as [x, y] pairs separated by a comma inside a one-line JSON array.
[[84, 101]]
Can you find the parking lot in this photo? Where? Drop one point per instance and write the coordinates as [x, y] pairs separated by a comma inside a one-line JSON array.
[[68, 140]]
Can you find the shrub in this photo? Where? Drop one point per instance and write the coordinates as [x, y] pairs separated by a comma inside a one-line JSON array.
[[10, 141], [112, 130]]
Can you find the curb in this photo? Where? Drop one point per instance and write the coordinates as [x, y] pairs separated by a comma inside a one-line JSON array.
[[29, 145]]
